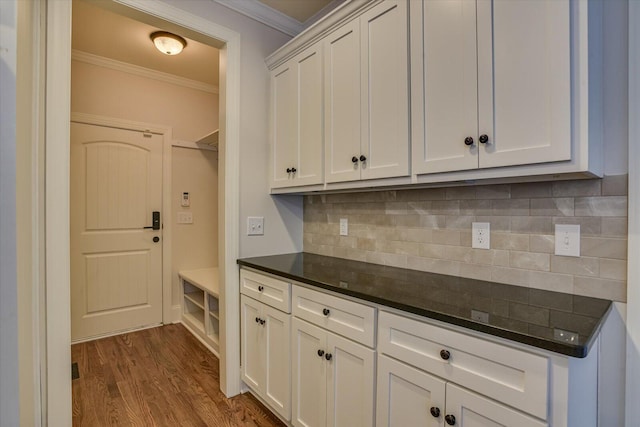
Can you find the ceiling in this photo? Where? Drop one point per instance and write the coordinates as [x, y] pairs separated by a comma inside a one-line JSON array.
[[99, 31]]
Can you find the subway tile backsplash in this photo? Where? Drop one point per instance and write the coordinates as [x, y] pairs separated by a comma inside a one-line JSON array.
[[430, 230]]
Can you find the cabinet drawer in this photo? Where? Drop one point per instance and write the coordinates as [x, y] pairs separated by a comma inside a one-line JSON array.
[[266, 289], [344, 317], [514, 377]]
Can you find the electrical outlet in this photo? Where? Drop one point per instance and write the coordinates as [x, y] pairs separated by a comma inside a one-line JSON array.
[[480, 235], [255, 226], [568, 240], [344, 227], [480, 316]]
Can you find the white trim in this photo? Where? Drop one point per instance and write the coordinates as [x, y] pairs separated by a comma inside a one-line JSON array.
[[265, 14], [166, 133], [136, 70], [58, 300], [632, 411], [322, 12]]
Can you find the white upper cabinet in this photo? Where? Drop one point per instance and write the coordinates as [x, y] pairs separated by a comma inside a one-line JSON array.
[[366, 92], [296, 120], [493, 86], [342, 106]]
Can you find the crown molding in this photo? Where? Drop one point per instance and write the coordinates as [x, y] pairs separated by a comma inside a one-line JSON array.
[[322, 12], [113, 64], [264, 14]]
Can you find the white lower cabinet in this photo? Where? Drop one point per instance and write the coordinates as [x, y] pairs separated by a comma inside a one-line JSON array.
[[410, 397], [266, 353], [333, 379]]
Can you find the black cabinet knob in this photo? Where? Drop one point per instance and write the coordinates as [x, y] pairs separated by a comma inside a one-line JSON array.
[[483, 139], [328, 356], [257, 320], [468, 141], [294, 170], [363, 158], [320, 353], [262, 321], [445, 354], [435, 411], [288, 170], [450, 419], [260, 288], [354, 159], [156, 239], [326, 311]]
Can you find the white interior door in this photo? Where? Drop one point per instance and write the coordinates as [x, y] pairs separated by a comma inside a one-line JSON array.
[[116, 266]]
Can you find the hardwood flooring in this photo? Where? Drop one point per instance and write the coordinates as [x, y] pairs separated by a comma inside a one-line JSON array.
[[156, 377]]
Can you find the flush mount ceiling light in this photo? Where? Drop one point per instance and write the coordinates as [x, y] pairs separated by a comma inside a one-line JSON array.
[[168, 43]]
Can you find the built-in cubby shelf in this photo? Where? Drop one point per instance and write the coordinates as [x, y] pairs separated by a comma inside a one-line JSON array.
[[200, 305]]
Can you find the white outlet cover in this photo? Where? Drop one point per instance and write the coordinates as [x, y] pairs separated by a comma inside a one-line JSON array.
[[480, 235], [255, 226], [568, 240], [184, 217], [344, 227]]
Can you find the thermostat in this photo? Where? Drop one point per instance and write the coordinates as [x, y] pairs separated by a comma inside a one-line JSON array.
[[185, 199]]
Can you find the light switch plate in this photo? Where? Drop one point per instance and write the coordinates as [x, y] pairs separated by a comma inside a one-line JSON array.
[[344, 227], [568, 240], [255, 226], [480, 235], [184, 218]]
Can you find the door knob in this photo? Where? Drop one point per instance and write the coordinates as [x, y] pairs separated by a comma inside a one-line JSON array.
[[483, 139], [450, 419], [435, 411], [328, 356], [354, 159], [445, 355], [326, 311], [320, 353], [468, 141], [156, 239], [363, 158]]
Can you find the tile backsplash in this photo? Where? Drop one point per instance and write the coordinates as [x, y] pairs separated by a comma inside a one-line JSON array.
[[430, 230]]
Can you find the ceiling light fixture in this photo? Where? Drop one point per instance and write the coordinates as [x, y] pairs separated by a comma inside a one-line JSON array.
[[168, 43]]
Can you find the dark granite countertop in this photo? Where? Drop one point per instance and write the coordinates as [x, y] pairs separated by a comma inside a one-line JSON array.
[[531, 316]]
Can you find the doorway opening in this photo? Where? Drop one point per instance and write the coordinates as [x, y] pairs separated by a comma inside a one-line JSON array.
[[57, 389]]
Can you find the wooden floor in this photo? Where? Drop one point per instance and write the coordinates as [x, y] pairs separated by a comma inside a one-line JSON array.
[[156, 377]]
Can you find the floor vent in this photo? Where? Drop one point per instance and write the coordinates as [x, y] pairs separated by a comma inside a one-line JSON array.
[[75, 373]]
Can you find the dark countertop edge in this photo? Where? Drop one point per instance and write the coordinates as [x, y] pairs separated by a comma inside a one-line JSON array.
[[579, 351]]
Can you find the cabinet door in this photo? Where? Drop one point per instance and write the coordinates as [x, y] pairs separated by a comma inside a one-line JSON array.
[[252, 355], [385, 90], [342, 103], [473, 410], [310, 113], [406, 396], [309, 374], [445, 108], [277, 352], [284, 124], [350, 385], [524, 81]]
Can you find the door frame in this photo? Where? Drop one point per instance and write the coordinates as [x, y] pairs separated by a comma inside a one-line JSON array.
[[56, 381], [168, 312]]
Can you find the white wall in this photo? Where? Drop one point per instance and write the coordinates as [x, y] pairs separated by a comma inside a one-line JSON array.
[[193, 245], [103, 91], [8, 282], [283, 214]]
